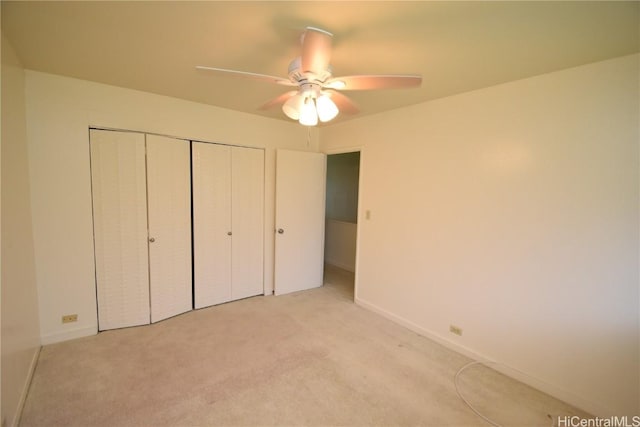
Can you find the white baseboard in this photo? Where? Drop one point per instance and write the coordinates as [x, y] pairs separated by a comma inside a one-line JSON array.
[[563, 395], [341, 265], [25, 389], [71, 334]]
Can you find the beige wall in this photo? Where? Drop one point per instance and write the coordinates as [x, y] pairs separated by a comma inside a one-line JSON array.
[[343, 170], [20, 329], [59, 113], [340, 244], [512, 212]]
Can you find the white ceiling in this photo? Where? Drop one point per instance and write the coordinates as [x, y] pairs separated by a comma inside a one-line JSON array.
[[456, 46]]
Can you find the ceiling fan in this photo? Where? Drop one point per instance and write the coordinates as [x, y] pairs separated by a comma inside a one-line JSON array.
[[317, 96]]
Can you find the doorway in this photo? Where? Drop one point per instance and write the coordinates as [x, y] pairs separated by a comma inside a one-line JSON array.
[[341, 221]]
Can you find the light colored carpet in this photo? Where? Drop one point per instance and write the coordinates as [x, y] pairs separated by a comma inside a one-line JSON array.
[[311, 358]]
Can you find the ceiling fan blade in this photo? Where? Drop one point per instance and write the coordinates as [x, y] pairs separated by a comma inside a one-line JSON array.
[[316, 50], [279, 100], [374, 82], [247, 75], [344, 104]]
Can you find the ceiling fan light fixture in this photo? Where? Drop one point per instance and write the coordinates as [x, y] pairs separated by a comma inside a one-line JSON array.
[[327, 109], [293, 106], [308, 113]]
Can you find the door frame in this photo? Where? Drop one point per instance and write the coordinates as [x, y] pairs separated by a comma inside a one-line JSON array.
[[344, 150]]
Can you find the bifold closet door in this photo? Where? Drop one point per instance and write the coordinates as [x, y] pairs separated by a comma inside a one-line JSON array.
[[211, 164], [247, 222], [118, 182], [228, 223], [169, 200]]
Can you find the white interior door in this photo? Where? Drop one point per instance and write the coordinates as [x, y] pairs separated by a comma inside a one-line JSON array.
[[211, 165], [118, 184], [169, 201], [300, 211], [247, 222]]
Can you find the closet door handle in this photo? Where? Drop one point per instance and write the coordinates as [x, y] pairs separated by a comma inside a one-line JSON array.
[[229, 233], [280, 231], [152, 239]]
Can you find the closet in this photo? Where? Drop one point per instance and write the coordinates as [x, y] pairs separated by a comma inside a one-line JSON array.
[[144, 211], [228, 222], [141, 187]]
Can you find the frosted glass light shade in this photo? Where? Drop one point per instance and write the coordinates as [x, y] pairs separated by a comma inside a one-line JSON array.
[[293, 106], [308, 114], [327, 109]]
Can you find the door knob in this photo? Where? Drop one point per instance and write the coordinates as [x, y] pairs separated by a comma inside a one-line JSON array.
[[229, 233], [152, 239], [280, 231]]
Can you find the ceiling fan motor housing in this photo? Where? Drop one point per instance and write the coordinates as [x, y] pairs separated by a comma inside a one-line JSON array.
[[300, 77]]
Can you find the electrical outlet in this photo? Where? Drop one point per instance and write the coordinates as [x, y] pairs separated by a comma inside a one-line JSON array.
[[455, 330], [68, 318]]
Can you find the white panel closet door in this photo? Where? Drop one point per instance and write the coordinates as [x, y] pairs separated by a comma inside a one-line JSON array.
[[120, 228], [211, 165], [169, 200], [300, 212], [247, 222]]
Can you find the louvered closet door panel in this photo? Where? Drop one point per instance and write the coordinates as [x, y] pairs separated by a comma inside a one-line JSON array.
[[247, 221], [120, 228], [211, 223], [169, 200]]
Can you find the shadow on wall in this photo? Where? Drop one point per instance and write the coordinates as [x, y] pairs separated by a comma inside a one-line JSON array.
[[343, 172]]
